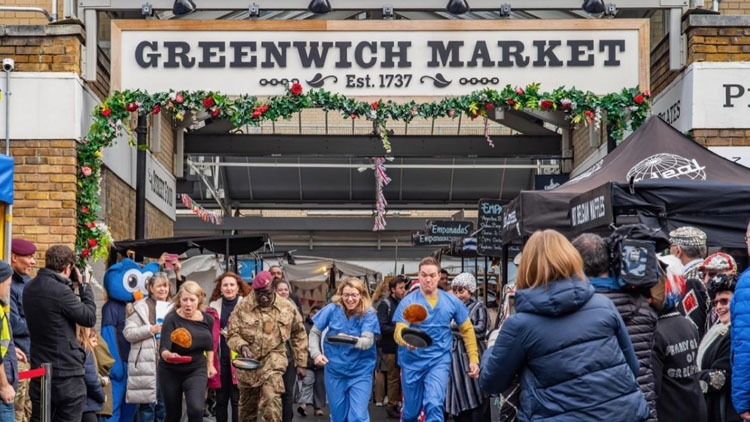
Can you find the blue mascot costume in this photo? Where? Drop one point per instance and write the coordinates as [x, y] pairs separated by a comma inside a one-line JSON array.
[[124, 282]]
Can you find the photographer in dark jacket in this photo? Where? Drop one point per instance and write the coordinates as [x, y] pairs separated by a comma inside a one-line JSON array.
[[386, 309], [633, 306], [52, 326]]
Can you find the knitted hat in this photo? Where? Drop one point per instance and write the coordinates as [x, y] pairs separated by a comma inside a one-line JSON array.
[[5, 271], [465, 280], [687, 236], [719, 261]]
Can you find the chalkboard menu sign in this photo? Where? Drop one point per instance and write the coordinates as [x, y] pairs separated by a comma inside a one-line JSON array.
[[490, 237]]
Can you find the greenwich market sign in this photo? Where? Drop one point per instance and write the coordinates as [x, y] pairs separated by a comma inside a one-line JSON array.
[[378, 58]]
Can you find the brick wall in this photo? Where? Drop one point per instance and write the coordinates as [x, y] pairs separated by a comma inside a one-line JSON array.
[[724, 137], [28, 18], [733, 7], [43, 48], [44, 209]]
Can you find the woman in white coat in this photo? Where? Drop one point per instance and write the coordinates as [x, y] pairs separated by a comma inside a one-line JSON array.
[[142, 330]]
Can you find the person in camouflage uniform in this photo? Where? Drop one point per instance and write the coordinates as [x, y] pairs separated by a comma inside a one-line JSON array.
[[259, 329]]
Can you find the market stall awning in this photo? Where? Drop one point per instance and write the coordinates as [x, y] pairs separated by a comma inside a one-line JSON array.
[[229, 245]]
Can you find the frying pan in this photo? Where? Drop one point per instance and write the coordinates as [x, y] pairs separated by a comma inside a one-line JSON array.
[[341, 339], [416, 337], [179, 359], [246, 364]]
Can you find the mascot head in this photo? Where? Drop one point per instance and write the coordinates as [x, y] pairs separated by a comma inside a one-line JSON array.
[[126, 280]]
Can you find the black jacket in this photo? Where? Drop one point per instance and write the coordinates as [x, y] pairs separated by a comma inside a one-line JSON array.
[[695, 304], [676, 371], [54, 311], [386, 309], [640, 320], [17, 316], [716, 380]]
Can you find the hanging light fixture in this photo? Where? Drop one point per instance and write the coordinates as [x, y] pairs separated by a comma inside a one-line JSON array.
[[319, 6], [183, 7], [457, 7], [594, 7]]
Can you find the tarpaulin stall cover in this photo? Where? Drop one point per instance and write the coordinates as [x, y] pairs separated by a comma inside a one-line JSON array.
[[666, 169]]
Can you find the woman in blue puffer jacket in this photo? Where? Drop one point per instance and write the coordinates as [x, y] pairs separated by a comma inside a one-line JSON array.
[[568, 345]]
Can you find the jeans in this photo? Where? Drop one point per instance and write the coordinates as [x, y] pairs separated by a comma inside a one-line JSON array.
[[153, 412], [7, 412]]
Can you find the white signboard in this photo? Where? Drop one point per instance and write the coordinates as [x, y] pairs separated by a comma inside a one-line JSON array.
[[161, 187], [707, 95], [379, 58], [739, 155]]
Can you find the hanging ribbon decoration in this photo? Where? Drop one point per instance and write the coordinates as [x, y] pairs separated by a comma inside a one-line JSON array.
[[204, 214], [487, 132], [381, 181]]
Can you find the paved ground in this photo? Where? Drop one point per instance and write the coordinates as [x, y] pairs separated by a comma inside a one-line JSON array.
[[377, 414]]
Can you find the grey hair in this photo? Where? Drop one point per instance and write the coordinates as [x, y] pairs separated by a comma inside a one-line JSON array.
[[695, 252], [594, 252]]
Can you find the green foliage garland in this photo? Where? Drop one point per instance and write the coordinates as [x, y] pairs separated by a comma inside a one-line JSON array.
[[112, 117]]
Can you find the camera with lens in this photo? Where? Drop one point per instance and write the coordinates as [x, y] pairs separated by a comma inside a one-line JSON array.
[[8, 65]]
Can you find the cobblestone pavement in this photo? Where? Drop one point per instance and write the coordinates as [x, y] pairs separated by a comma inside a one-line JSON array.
[[377, 414]]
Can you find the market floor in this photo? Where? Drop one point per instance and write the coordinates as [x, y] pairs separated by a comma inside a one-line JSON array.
[[377, 414]]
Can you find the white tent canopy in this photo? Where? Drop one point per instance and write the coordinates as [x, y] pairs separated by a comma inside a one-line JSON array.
[[319, 270]]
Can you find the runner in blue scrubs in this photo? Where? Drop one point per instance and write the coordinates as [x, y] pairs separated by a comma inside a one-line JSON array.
[[424, 372], [348, 368]]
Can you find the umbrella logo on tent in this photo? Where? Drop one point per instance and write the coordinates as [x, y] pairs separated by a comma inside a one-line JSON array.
[[667, 166]]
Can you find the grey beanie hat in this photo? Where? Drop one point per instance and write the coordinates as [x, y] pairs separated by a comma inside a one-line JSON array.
[[5, 271]]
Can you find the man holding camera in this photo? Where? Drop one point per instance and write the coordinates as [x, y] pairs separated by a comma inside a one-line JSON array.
[[52, 328]]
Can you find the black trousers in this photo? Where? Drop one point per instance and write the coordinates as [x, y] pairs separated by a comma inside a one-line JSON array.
[[90, 417], [68, 398], [287, 398], [480, 413], [190, 381], [228, 393], [319, 388]]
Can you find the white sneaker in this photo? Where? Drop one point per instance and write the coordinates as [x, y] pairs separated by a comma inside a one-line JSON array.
[[379, 404]]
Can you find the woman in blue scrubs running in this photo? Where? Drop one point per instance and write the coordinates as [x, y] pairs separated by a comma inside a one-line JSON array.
[[348, 367]]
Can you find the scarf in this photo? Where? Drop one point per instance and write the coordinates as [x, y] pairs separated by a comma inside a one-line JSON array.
[[713, 334]]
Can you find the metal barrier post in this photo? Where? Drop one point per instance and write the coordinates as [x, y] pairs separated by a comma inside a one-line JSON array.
[[46, 396]]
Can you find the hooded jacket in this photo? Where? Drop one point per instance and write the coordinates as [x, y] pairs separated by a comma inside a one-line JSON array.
[[573, 354], [640, 319], [740, 332], [143, 355]]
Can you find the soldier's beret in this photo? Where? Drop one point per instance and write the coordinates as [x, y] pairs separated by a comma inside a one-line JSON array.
[[262, 280], [22, 247]]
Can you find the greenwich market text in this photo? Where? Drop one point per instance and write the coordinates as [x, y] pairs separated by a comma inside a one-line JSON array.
[[386, 55]]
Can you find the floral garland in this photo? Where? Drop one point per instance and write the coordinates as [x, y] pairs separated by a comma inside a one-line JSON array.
[[114, 114]]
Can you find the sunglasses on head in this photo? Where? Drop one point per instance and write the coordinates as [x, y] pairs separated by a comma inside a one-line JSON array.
[[723, 302]]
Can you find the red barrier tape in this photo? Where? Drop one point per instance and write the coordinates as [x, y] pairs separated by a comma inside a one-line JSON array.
[[33, 373]]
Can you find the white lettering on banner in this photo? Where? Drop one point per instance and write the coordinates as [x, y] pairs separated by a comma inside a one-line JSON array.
[[588, 211], [161, 187], [667, 166], [441, 230], [377, 62]]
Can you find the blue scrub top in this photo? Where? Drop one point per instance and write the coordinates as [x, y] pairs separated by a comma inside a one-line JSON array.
[[437, 325], [345, 360]]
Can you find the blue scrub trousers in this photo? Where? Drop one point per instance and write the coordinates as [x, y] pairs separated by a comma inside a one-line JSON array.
[[424, 388], [348, 397]]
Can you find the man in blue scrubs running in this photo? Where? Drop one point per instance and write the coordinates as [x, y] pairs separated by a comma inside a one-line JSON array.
[[424, 371]]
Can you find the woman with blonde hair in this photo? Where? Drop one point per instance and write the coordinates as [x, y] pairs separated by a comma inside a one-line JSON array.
[[95, 396], [569, 346], [143, 331], [187, 354], [348, 367]]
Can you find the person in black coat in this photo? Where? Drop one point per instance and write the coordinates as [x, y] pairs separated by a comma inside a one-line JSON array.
[[52, 328], [633, 306], [674, 358], [714, 361], [386, 309]]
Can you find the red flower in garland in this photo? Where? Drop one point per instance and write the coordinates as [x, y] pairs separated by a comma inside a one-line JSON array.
[[639, 99], [296, 88], [179, 98], [589, 113], [208, 102], [215, 112], [451, 112], [256, 114], [93, 243], [84, 209], [647, 93], [90, 225], [156, 109], [106, 112], [86, 253], [546, 104], [375, 105], [353, 116], [263, 108], [489, 106], [132, 107], [520, 91], [511, 102], [86, 171]]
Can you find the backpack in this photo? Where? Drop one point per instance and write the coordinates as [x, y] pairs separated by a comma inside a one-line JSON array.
[[632, 255]]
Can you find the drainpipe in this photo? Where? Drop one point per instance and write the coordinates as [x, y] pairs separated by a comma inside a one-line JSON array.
[[715, 5], [30, 9], [9, 209]]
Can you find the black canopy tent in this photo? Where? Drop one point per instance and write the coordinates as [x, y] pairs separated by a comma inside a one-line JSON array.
[[228, 245], [656, 152]]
